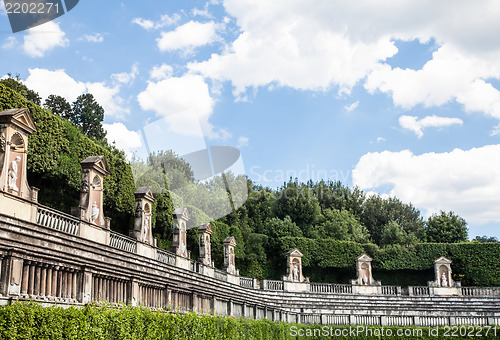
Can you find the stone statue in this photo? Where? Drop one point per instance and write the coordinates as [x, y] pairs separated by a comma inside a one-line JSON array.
[[183, 247], [146, 228], [296, 272], [13, 173], [95, 212], [207, 247], [365, 280], [84, 189], [138, 210], [444, 282]]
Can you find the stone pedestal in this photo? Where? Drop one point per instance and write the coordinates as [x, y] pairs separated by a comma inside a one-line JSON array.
[[204, 232], [444, 284], [179, 245], [143, 212], [15, 127], [90, 208], [229, 258], [364, 273], [294, 266]]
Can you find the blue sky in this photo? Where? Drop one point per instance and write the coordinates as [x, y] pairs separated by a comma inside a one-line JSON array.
[[399, 99]]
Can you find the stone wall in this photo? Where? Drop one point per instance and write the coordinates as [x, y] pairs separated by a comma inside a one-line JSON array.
[[56, 258]]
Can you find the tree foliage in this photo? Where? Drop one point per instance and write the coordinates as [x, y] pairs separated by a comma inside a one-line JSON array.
[[58, 105], [446, 228], [88, 115]]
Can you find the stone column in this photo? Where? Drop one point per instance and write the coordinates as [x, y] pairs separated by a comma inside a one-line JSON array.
[[12, 274], [25, 279], [204, 232], [294, 266], [229, 258], [48, 283], [43, 280], [31, 282], [142, 223], [90, 208], [15, 127], [179, 245]]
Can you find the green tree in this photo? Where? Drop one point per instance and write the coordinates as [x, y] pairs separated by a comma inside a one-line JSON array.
[[343, 225], [17, 85], [393, 233], [446, 228], [59, 106], [88, 116], [485, 239]]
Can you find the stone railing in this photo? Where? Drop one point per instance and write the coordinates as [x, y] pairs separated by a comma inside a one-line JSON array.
[[330, 288], [220, 275], [481, 291], [57, 220], [272, 285], [165, 256], [418, 291], [122, 242], [246, 282], [390, 290]]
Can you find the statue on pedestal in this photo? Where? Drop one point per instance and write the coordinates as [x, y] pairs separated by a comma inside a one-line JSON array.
[[95, 212], [12, 184]]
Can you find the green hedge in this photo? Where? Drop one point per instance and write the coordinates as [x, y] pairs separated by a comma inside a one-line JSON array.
[[32, 321], [473, 263]]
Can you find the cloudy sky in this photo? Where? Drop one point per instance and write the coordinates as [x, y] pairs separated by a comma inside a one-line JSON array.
[[397, 97]]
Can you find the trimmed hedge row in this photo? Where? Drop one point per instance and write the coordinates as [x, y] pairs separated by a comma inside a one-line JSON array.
[[473, 263], [32, 321]]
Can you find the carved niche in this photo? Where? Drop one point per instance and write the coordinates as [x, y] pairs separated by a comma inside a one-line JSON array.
[[15, 127]]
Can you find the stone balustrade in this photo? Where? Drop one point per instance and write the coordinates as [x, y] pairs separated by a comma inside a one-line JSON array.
[[122, 242], [418, 291], [272, 285], [481, 291], [57, 220], [332, 288], [165, 257]]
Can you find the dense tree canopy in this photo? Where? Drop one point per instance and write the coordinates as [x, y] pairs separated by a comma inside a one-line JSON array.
[[446, 227]]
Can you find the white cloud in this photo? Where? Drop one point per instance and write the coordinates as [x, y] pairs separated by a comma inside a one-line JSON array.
[[450, 75], [202, 12], [351, 107], [165, 20], [188, 95], [161, 72], [108, 97], [144, 23], [47, 82], [413, 124], [124, 139], [464, 181], [188, 36], [10, 43], [126, 78], [96, 37], [337, 44], [41, 39], [242, 141]]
